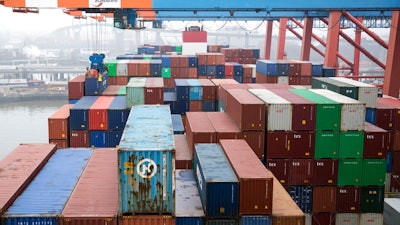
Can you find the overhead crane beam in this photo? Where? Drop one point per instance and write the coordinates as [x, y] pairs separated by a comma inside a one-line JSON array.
[[301, 38]]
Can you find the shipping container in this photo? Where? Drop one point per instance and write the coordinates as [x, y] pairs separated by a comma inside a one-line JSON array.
[[135, 91], [351, 144], [18, 170], [79, 113], [347, 218], [222, 90], [60, 143], [325, 172], [370, 115], [147, 219], [255, 220], [302, 195], [155, 68], [278, 145], [326, 144], [328, 112], [117, 114], [133, 68], [218, 82], [246, 110], [267, 67], [96, 85], [376, 142], [372, 199], [302, 144], [79, 138], [349, 172], [182, 89], [209, 106], [98, 113], [199, 129], [278, 111], [113, 138], [195, 89], [345, 89], [324, 199], [352, 111], [374, 172], [184, 158], [209, 89], [177, 124], [385, 115], [301, 172], [195, 106], [59, 176], [395, 103], [394, 182], [76, 87], [255, 185], [154, 90], [224, 126], [256, 140], [112, 90], [189, 209], [98, 138], [326, 218], [395, 140], [348, 199], [221, 222], [280, 168], [98, 207], [58, 125], [217, 183], [317, 69], [391, 213], [147, 155], [371, 218], [367, 93]]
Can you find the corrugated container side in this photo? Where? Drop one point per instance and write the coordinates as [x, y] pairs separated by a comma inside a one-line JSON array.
[[18, 170], [372, 199], [351, 144], [135, 91], [154, 90], [371, 218], [117, 114], [256, 140], [301, 172], [326, 144], [98, 113], [347, 218], [184, 158], [349, 172], [182, 89], [79, 113], [391, 213], [374, 172], [147, 220], [224, 126], [336, 86], [79, 138], [394, 182], [223, 88], [60, 143], [58, 125], [323, 218], [302, 144], [221, 222], [302, 195], [385, 115], [199, 129], [188, 204], [113, 138], [112, 90], [177, 124], [76, 87], [367, 93], [217, 183], [348, 199], [324, 199], [376, 141], [255, 186], [395, 103], [325, 172], [122, 67], [255, 220], [98, 207], [209, 89], [280, 168], [278, 145], [98, 138], [195, 89]]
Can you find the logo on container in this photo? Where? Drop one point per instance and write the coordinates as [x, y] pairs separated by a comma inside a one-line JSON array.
[[146, 168]]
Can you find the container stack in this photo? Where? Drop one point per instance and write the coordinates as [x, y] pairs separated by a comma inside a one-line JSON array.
[[241, 55], [144, 90], [211, 65], [58, 126]]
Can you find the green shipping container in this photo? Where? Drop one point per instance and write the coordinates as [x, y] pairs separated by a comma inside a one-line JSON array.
[[112, 67], [372, 199], [178, 49], [166, 72], [351, 145], [147, 57], [326, 144], [122, 91], [135, 91], [374, 172], [336, 86], [349, 172], [328, 114]]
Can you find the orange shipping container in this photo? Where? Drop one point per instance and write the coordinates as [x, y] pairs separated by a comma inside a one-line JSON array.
[[183, 157], [199, 129], [98, 113], [58, 123], [146, 220]]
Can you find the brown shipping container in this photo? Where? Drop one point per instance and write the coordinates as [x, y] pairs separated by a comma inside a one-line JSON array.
[[278, 145], [224, 126], [385, 115], [192, 72], [201, 59], [302, 144], [97, 206], [256, 140], [324, 199], [183, 157], [19, 168], [58, 123], [60, 143], [199, 129], [209, 89], [395, 161], [285, 211], [280, 168], [175, 72], [348, 199], [169, 83], [223, 90], [395, 103], [246, 110], [300, 80], [325, 172], [306, 67], [294, 68], [218, 82], [376, 142], [122, 80], [133, 68], [261, 78], [303, 110], [76, 87], [195, 106], [174, 61], [154, 91], [79, 138], [255, 181], [395, 182], [396, 140], [183, 72], [247, 71], [111, 90], [323, 219], [112, 81], [144, 68], [147, 220], [98, 113], [301, 172], [183, 61]]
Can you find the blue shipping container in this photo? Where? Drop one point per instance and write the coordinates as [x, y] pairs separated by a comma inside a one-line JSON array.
[[282, 69], [181, 89], [166, 61], [188, 204], [79, 113], [328, 71], [267, 67], [113, 138], [192, 61], [302, 195], [220, 71], [370, 115], [389, 162], [237, 69], [238, 78], [195, 89], [208, 106], [211, 70], [177, 124], [317, 70], [202, 70], [43, 200], [98, 138], [217, 183], [117, 113], [146, 157], [155, 68], [94, 86], [255, 220], [181, 107]]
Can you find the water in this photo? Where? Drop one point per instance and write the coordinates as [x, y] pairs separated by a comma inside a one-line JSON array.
[[25, 122]]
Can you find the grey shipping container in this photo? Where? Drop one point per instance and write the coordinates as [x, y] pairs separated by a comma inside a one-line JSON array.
[[391, 211]]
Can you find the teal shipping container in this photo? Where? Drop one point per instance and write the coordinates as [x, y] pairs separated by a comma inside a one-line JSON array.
[[350, 172], [146, 162], [195, 89], [135, 91], [351, 145]]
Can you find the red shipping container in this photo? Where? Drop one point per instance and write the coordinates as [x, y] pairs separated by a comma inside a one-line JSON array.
[[228, 68], [19, 168], [304, 111], [183, 61], [278, 145], [199, 129], [325, 172], [111, 90], [247, 80], [79, 138], [183, 72], [169, 83], [323, 218], [133, 68], [174, 61], [58, 124], [256, 184], [194, 36], [183, 158], [98, 207], [76, 88], [154, 91], [209, 89], [395, 161], [146, 220], [300, 80], [98, 113], [348, 199], [301, 172], [219, 59], [395, 182], [224, 126], [222, 90], [306, 67], [122, 80], [324, 199], [144, 68], [246, 110], [256, 140], [175, 72], [247, 71], [395, 103], [280, 168], [376, 142], [218, 82], [385, 115], [395, 140], [191, 72], [294, 68], [195, 106], [201, 59], [302, 144], [60, 143], [112, 80]]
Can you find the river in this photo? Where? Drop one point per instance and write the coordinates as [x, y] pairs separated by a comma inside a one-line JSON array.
[[25, 122]]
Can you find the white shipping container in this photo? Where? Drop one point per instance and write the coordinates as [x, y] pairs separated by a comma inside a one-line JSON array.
[[391, 211], [352, 111], [347, 219], [283, 80], [191, 48], [367, 93], [372, 219], [277, 109], [122, 67]]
